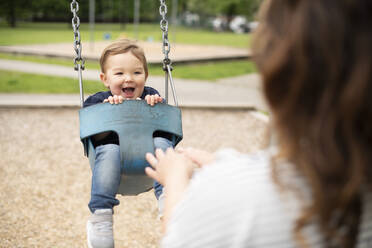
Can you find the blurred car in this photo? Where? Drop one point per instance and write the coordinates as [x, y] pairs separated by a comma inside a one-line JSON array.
[[239, 24]]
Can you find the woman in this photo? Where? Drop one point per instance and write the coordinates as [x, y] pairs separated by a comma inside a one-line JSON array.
[[314, 188]]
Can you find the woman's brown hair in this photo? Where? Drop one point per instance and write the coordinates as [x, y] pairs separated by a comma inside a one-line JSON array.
[[315, 57]]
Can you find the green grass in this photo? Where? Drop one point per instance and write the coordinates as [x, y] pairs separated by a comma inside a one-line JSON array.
[[202, 71], [44, 60], [16, 82], [41, 33], [214, 71]]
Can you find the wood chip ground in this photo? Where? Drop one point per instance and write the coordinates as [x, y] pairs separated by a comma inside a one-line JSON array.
[[45, 178]]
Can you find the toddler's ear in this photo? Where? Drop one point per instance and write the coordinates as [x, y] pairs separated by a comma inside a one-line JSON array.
[[104, 80]]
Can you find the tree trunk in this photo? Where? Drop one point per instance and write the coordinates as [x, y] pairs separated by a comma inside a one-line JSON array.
[[11, 18]]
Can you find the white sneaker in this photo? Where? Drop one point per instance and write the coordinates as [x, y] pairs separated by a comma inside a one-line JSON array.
[[99, 229]]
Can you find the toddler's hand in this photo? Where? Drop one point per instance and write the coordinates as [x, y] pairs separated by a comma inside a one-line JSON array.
[[114, 99], [153, 99]]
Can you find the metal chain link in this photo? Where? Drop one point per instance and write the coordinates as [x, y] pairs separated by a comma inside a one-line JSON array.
[[164, 28], [78, 60], [166, 49]]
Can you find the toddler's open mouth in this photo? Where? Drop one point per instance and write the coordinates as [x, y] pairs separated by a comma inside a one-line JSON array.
[[128, 92]]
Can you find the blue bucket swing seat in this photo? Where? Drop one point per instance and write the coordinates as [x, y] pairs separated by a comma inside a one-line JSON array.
[[135, 122]]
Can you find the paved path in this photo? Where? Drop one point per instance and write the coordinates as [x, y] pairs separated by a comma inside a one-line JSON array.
[[238, 92]]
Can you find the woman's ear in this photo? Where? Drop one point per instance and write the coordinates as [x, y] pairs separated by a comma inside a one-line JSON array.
[[104, 80]]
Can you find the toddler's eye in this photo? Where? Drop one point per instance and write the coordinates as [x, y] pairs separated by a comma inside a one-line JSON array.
[[118, 73], [138, 72]]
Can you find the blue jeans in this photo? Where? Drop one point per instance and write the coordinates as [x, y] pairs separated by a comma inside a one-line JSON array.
[[106, 175]]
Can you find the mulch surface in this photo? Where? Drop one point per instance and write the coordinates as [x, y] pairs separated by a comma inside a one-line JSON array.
[[45, 178]]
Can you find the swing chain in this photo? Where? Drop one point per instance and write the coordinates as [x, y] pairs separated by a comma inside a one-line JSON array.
[[78, 60], [164, 27]]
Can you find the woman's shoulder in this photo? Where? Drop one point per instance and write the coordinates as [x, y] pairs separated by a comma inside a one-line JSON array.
[[233, 175]]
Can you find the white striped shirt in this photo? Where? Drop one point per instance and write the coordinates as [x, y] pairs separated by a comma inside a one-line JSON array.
[[234, 203]]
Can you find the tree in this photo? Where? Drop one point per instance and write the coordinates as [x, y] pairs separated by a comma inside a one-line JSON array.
[[52, 10], [226, 7], [119, 10], [13, 10], [248, 8]]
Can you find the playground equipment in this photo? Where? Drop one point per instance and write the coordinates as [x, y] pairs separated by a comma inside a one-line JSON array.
[[135, 122]]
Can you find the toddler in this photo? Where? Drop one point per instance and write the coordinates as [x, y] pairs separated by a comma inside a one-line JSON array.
[[124, 72]]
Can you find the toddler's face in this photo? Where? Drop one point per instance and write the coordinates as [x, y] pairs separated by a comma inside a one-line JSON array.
[[124, 76]]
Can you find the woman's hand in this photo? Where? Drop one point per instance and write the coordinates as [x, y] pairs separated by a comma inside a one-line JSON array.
[[169, 166], [173, 170]]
